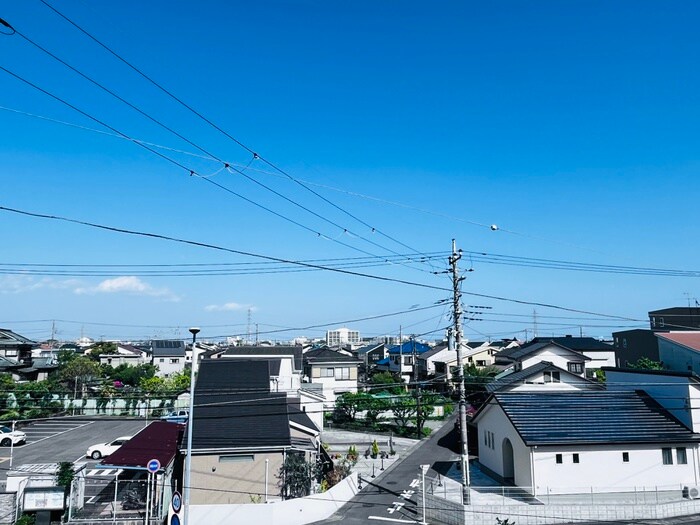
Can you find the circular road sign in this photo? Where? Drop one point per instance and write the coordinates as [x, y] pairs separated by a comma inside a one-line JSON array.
[[174, 519], [177, 502], [153, 466]]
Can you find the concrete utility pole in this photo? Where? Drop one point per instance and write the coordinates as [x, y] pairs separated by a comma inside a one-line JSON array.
[[190, 423], [457, 315]]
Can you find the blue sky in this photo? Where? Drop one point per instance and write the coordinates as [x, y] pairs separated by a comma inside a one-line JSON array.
[[571, 125]]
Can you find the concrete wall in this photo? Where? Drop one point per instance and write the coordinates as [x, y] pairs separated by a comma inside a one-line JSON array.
[[291, 512], [218, 480]]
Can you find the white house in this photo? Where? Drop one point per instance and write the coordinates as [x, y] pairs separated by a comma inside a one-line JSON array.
[[168, 355], [583, 442], [342, 336], [335, 371], [542, 377], [550, 351]]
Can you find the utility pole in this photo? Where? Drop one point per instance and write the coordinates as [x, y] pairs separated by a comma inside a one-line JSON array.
[[418, 392], [457, 315]]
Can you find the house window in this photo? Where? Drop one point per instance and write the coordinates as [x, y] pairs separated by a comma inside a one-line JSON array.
[[576, 458], [161, 360], [559, 459], [625, 457], [408, 360], [481, 363], [552, 377], [327, 372], [174, 361], [661, 322], [667, 456], [575, 368], [342, 373], [624, 342], [236, 458], [681, 456]]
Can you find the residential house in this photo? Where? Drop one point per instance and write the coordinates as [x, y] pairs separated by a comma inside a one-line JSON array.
[[557, 442], [369, 356], [39, 369], [337, 372], [285, 368], [599, 353], [402, 358], [547, 350], [677, 391], [15, 346], [124, 355], [633, 345], [242, 434], [168, 355], [680, 351], [677, 318], [542, 377]]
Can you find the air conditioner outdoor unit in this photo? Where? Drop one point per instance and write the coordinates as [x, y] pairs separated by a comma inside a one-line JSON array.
[[691, 492]]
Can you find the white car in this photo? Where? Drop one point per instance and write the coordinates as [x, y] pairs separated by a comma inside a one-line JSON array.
[[105, 449], [9, 437]]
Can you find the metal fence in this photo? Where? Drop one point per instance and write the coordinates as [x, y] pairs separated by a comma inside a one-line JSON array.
[[111, 498], [451, 490]]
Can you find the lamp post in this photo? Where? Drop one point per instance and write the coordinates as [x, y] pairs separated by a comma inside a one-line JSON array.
[[190, 420], [423, 470]]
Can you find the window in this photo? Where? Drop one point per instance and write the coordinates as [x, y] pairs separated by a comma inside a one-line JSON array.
[[408, 360], [327, 372], [559, 458], [625, 457], [661, 322], [174, 361], [342, 373], [161, 360], [681, 456], [237, 458], [575, 368], [667, 456], [576, 458], [552, 377], [480, 363]]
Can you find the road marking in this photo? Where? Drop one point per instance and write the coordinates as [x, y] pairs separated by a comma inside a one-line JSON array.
[[396, 520], [57, 434]]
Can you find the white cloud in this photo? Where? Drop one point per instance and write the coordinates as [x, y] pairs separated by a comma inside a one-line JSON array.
[[128, 284], [227, 307], [14, 284]]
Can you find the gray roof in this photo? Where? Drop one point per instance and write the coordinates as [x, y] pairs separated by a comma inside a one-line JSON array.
[[233, 376], [301, 418], [580, 344], [11, 339], [524, 374], [368, 348], [516, 354], [581, 418], [432, 352], [326, 355], [271, 351], [167, 348]]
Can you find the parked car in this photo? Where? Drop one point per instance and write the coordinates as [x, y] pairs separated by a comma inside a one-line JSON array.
[[9, 437], [178, 416], [105, 449]]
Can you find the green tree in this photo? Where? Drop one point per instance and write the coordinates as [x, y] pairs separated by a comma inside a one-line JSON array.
[[644, 363], [102, 348], [347, 405], [296, 475], [373, 407], [78, 371], [385, 382], [404, 410], [130, 375]]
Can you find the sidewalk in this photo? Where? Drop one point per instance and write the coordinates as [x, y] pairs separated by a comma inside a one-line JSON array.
[[340, 440]]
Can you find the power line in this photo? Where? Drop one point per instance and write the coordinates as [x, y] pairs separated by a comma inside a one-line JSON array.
[[222, 131]]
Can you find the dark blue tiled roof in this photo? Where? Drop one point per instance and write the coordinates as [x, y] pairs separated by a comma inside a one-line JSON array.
[[518, 353], [580, 418], [407, 348], [580, 344]]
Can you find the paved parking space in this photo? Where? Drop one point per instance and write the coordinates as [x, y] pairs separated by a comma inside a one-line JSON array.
[[45, 429]]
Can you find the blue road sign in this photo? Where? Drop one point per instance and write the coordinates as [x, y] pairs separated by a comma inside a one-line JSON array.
[[174, 519], [177, 501], [153, 466]]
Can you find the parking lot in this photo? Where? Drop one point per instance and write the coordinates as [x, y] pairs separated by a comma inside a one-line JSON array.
[[65, 439]]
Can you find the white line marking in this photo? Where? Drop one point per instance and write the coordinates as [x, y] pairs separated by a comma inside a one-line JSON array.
[[396, 520], [57, 434]]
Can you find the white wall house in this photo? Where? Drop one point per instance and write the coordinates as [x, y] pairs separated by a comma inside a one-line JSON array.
[[335, 371], [542, 377], [168, 355], [552, 352], [583, 442], [342, 336]]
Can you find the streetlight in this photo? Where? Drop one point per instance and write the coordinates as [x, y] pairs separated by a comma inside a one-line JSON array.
[[188, 462], [423, 470]]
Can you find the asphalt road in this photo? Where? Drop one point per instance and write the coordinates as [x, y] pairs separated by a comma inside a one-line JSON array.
[[391, 497], [64, 439]]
